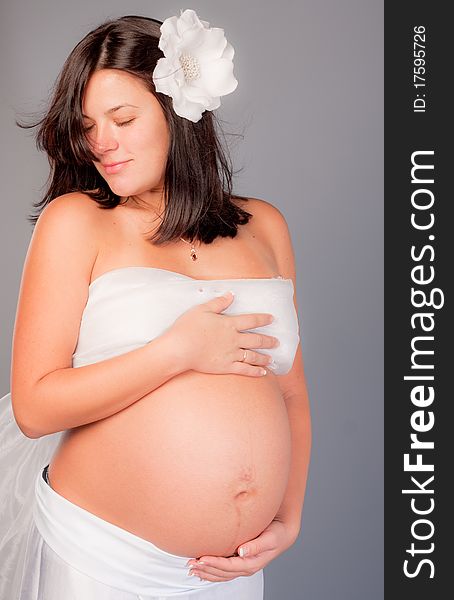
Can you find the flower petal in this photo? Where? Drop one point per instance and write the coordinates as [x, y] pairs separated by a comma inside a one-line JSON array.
[[228, 52], [169, 27], [163, 68], [193, 39], [215, 103], [212, 46], [167, 73], [199, 96], [188, 110], [168, 34], [217, 77], [169, 85], [188, 20]]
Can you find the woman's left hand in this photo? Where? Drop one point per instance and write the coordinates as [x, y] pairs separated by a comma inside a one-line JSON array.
[[274, 540]]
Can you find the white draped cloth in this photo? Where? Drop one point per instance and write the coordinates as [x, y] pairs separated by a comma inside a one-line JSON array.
[[126, 308], [20, 460]]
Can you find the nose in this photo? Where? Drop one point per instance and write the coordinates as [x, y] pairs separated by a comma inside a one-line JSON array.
[[104, 141]]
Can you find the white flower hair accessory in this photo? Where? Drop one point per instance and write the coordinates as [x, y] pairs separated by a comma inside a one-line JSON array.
[[197, 68]]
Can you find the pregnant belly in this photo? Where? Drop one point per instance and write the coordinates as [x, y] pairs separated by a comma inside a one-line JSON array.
[[198, 466]]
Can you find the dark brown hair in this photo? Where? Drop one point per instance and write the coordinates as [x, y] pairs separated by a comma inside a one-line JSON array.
[[198, 199]]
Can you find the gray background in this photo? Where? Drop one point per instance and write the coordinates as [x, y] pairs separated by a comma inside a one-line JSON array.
[[310, 104]]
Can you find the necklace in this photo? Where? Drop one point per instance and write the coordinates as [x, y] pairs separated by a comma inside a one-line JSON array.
[[193, 252]]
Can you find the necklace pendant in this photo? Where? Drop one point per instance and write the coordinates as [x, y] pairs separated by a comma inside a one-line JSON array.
[[193, 254]]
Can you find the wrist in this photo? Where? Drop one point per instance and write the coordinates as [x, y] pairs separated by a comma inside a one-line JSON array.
[[292, 525], [174, 352]]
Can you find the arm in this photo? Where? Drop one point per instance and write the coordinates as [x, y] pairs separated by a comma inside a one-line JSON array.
[[48, 395], [293, 384], [71, 397], [297, 403]]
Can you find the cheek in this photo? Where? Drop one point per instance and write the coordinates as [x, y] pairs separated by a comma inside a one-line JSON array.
[[153, 146]]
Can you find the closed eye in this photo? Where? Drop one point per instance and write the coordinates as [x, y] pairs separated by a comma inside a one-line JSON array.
[[125, 123], [122, 124]]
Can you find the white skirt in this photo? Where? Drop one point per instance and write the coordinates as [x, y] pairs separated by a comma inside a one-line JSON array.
[[74, 554], [52, 549]]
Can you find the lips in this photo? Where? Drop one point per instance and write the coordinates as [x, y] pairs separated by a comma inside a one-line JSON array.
[[115, 167]]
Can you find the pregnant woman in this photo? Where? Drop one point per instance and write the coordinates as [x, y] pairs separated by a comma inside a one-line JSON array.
[[156, 344]]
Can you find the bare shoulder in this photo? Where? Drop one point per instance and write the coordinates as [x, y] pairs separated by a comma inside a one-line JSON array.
[[70, 220], [274, 231], [73, 205], [53, 293], [266, 216]]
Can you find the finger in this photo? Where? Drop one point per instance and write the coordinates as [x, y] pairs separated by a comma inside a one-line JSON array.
[[251, 320], [205, 571], [223, 564], [219, 303], [241, 368], [255, 563], [254, 358], [209, 577], [257, 340]]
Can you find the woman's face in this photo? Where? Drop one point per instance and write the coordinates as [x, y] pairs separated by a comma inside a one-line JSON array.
[[124, 123]]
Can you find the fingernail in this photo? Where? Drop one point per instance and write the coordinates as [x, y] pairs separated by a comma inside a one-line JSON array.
[[242, 552], [263, 372]]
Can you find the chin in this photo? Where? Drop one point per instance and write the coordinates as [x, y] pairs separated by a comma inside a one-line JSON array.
[[123, 189], [129, 190]]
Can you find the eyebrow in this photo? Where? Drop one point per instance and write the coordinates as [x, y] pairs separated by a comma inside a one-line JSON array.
[[113, 109]]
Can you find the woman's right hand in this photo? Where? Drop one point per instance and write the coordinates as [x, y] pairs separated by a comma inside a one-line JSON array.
[[210, 342]]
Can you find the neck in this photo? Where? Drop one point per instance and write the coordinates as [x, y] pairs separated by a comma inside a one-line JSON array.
[[153, 201]]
